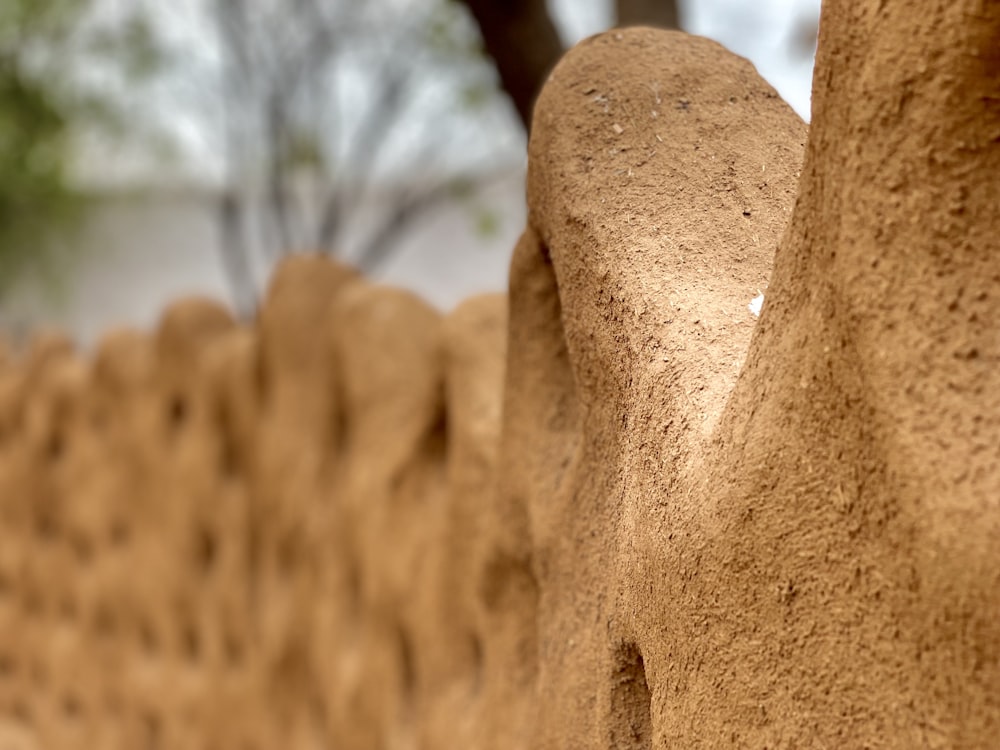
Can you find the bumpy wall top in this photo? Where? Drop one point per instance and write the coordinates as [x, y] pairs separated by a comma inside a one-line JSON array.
[[612, 510], [221, 537]]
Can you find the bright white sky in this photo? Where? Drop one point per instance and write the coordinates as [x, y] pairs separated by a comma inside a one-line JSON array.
[[184, 106]]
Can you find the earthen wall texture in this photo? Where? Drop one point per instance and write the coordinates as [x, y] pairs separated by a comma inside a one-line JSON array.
[[611, 509]]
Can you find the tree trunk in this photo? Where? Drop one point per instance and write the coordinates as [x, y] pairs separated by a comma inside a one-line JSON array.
[[522, 40], [659, 13], [235, 255]]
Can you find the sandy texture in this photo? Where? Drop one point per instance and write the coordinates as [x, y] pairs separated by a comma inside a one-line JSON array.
[[220, 537], [612, 510], [807, 557], [662, 172]]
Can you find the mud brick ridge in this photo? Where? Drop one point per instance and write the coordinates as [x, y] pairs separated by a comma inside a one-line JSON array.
[[610, 509]]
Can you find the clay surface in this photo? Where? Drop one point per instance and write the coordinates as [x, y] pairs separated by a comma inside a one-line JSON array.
[[612, 509]]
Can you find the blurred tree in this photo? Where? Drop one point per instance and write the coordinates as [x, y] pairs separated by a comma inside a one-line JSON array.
[[659, 13], [43, 108], [335, 122], [34, 130], [521, 38], [804, 36], [34, 196]]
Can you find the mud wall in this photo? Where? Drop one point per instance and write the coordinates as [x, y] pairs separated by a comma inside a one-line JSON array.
[[610, 510], [230, 537]]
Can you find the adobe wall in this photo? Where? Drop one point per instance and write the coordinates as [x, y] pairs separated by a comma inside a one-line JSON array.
[[803, 554], [609, 510], [216, 536]]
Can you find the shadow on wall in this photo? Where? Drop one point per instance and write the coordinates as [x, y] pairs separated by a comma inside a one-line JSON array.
[[620, 514]]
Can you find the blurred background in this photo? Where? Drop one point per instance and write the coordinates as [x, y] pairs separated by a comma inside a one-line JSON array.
[[154, 150]]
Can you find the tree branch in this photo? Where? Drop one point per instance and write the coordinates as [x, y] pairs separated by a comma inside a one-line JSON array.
[[379, 246], [660, 13], [278, 187], [522, 40], [234, 255], [379, 120]]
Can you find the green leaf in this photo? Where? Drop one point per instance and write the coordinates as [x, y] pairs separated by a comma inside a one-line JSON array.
[[487, 223], [477, 95]]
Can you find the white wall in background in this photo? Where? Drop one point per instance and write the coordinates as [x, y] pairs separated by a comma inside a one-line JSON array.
[[142, 253]]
